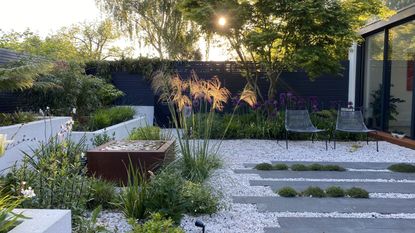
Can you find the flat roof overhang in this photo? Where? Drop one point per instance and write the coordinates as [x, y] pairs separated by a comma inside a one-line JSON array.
[[405, 14]]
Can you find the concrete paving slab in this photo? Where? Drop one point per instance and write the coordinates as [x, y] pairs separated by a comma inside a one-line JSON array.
[[354, 165], [343, 225], [372, 187], [328, 174], [328, 205]]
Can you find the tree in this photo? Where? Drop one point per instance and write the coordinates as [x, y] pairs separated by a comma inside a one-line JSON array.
[[314, 35], [159, 22]]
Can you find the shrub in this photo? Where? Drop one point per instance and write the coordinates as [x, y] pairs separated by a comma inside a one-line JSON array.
[[156, 224], [16, 118], [299, 167], [133, 197], [264, 166], [102, 194], [101, 139], [90, 225], [402, 167], [335, 191], [279, 166], [106, 117], [145, 133], [315, 167], [333, 168], [314, 192], [165, 195], [357, 193], [198, 166], [199, 199], [7, 220], [287, 192]]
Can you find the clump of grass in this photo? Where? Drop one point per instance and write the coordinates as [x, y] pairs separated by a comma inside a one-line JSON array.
[[333, 168], [299, 167], [315, 167], [314, 191], [357, 193], [280, 166], [402, 167], [264, 166], [335, 191], [287, 192]]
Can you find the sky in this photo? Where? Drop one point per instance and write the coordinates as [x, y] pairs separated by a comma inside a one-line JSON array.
[[47, 16]]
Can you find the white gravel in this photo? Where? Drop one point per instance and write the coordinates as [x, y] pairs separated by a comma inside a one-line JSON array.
[[245, 217], [392, 195]]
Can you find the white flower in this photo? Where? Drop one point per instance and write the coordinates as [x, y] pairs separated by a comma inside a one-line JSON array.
[[28, 193], [82, 155], [74, 110], [41, 112]]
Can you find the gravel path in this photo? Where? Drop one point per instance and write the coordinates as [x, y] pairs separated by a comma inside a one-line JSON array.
[[245, 217]]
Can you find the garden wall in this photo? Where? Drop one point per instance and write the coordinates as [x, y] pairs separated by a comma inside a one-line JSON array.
[[44, 221], [27, 136]]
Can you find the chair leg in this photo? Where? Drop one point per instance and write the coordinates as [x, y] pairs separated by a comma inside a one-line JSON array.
[[334, 138], [377, 142], [312, 138], [286, 140], [367, 138]]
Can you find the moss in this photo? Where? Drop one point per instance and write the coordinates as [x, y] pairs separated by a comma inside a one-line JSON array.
[[264, 166], [280, 166], [287, 192], [357, 193], [335, 191], [402, 167], [299, 167], [314, 191]]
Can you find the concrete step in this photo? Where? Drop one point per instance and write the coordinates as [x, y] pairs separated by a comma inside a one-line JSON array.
[[372, 187], [328, 205], [343, 225]]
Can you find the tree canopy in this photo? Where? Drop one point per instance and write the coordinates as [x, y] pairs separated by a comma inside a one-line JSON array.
[[314, 35]]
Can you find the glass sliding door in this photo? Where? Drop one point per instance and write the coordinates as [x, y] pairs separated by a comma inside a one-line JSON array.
[[374, 52], [401, 56]]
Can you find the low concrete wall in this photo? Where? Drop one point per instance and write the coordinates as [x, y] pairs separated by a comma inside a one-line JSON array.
[[27, 137], [147, 111], [44, 221], [120, 130]]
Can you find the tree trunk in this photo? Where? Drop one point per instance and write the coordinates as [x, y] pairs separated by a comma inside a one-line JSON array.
[[273, 81]]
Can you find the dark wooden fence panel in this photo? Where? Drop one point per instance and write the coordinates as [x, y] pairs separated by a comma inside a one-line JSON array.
[[136, 88]]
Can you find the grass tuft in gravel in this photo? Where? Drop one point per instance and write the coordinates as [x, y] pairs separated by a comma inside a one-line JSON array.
[[402, 167], [315, 167], [264, 166], [287, 192], [299, 167], [335, 191], [314, 191], [333, 168], [280, 166], [357, 193]]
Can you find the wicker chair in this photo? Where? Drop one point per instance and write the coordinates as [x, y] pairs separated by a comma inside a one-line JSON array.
[[351, 121], [298, 121]]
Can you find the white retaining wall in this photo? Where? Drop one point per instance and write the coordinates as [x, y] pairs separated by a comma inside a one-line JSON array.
[[44, 221], [121, 130], [27, 136], [147, 111]]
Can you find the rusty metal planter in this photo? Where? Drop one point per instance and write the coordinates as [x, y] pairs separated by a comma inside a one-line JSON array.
[[111, 164]]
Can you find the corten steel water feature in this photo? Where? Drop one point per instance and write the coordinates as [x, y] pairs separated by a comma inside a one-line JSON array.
[[111, 160]]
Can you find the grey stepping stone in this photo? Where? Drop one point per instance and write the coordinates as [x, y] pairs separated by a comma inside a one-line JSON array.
[[328, 174], [372, 187], [328, 205], [343, 225], [353, 165]]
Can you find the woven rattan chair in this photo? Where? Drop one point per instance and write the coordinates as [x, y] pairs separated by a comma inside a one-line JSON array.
[[298, 121], [351, 121]]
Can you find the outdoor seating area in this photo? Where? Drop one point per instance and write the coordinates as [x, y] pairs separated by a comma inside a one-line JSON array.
[[219, 116]]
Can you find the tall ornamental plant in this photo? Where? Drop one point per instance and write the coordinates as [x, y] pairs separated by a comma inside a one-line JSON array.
[[193, 103]]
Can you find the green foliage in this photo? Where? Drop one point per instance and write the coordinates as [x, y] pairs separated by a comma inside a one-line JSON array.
[[335, 191], [315, 167], [199, 199], [133, 197], [145, 133], [357, 193], [314, 192], [279, 166], [103, 194], [165, 195], [8, 219], [103, 118], [264, 166], [333, 168], [287, 192], [101, 139], [299, 167], [89, 225], [402, 167], [16, 118], [156, 224]]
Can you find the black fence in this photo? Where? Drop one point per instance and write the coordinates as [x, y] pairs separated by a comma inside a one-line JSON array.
[[137, 88]]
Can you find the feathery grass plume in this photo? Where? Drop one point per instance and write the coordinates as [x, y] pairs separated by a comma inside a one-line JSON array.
[[248, 96], [219, 95]]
